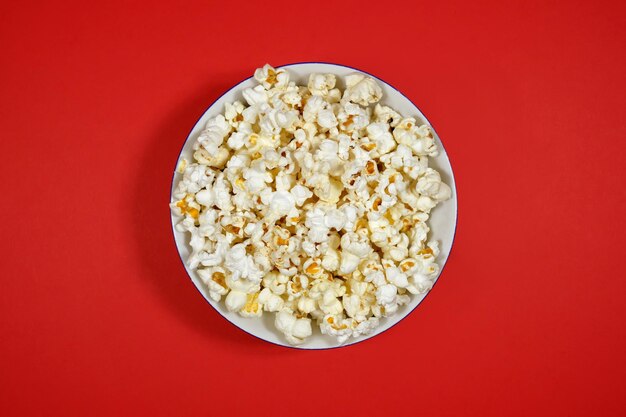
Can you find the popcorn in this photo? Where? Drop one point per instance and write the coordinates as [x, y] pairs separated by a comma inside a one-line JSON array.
[[233, 113], [419, 138], [235, 300], [215, 280], [381, 137], [271, 302], [282, 203], [321, 84], [270, 77], [362, 90], [255, 96], [430, 185], [242, 265], [384, 114], [337, 326], [311, 203], [294, 329]]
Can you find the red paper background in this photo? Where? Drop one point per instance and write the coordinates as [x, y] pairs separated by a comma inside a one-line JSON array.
[[97, 315]]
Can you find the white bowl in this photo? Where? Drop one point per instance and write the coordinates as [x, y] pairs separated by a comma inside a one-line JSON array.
[[442, 221]]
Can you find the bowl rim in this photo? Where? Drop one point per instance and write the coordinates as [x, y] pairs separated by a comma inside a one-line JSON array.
[[301, 347]]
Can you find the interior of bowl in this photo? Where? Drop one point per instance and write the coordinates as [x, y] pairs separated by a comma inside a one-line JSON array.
[[442, 221]]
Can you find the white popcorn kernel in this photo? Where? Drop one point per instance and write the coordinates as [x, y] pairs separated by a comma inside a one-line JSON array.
[[335, 219], [315, 221], [205, 197], [330, 261], [356, 243], [233, 113], [297, 286], [255, 96], [329, 303], [277, 283], [292, 98], [312, 108], [306, 305], [270, 77], [301, 194], [235, 300], [334, 96], [380, 135], [242, 265], [337, 326], [362, 90], [321, 84], [282, 203], [366, 327], [295, 330], [215, 280], [256, 177], [384, 114], [326, 119], [396, 276], [355, 307], [349, 263], [430, 185], [271, 302], [329, 192], [386, 294]]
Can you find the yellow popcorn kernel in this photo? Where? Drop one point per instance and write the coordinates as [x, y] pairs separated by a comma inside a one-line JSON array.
[[193, 213], [426, 251], [368, 146], [232, 229], [370, 167], [332, 323], [271, 77], [239, 182], [313, 269], [296, 287], [348, 121], [252, 306], [238, 118], [406, 265], [406, 224], [360, 224], [376, 204], [220, 278], [185, 209]]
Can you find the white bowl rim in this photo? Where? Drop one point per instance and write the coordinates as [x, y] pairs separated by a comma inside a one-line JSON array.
[[298, 347]]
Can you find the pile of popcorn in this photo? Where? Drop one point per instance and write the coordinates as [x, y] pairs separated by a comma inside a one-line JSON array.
[[311, 203]]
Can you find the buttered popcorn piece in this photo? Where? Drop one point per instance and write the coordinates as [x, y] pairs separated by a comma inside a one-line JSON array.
[[311, 203]]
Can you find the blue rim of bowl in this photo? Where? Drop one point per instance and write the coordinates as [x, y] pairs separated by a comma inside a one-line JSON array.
[[302, 348]]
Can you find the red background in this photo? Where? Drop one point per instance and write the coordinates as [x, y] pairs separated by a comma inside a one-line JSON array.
[[98, 316]]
